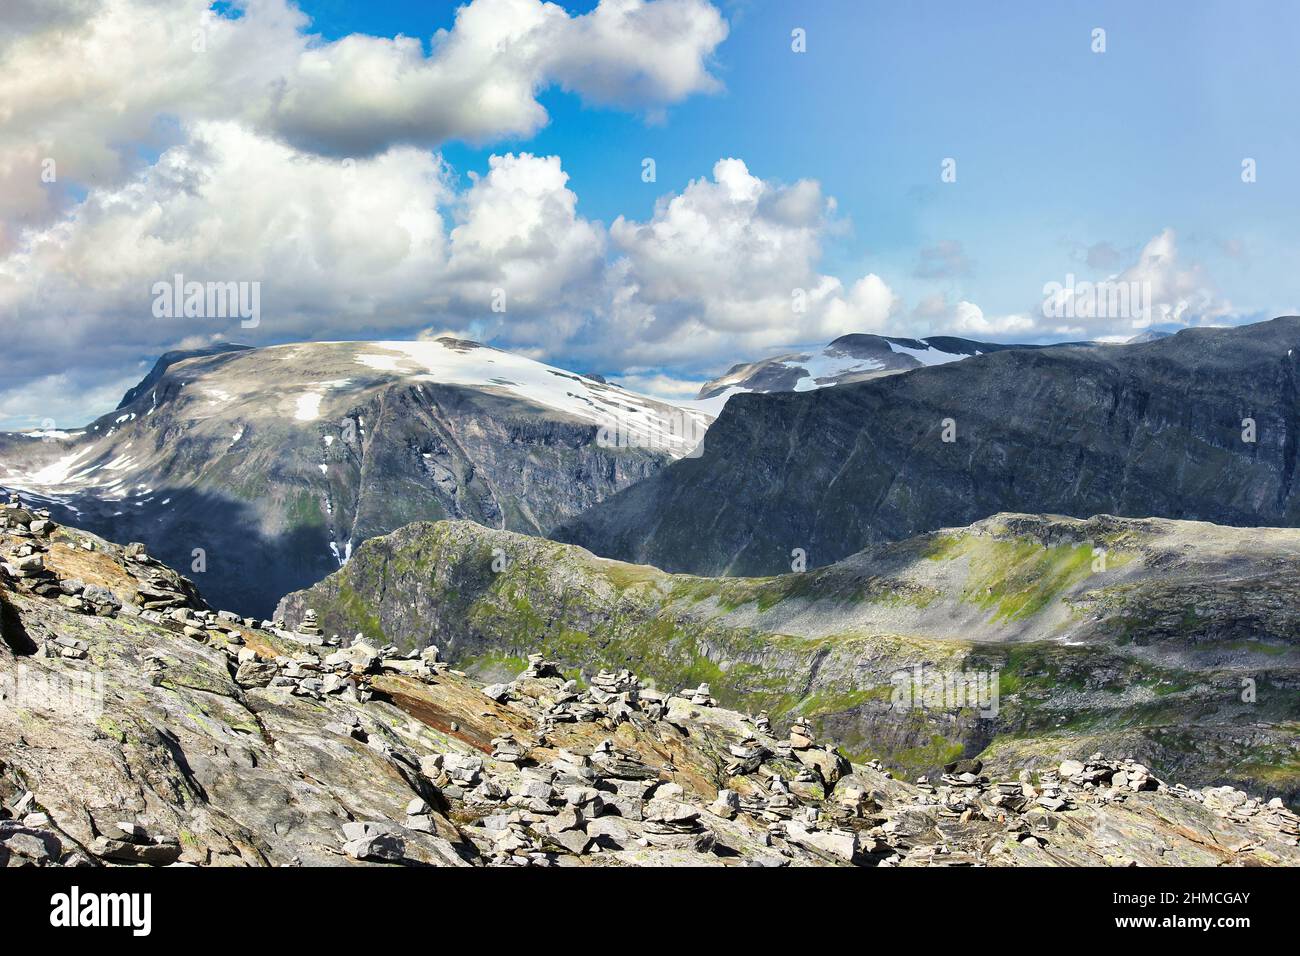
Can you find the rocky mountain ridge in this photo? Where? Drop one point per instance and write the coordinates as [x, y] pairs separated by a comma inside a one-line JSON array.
[[857, 357], [259, 470], [1203, 425]]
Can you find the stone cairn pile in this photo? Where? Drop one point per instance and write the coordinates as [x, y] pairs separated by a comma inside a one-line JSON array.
[[1240, 807], [344, 673], [28, 837], [530, 811], [582, 803], [30, 535], [27, 531]]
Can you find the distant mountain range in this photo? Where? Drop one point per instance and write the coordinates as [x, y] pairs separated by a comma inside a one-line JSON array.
[[275, 463], [860, 357], [1153, 429], [262, 469], [850, 358]]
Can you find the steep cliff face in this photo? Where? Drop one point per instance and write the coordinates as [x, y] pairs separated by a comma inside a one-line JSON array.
[[258, 471], [1178, 642], [1153, 429]]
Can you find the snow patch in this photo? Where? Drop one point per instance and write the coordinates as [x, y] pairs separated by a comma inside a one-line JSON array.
[[308, 406], [928, 355], [655, 423]]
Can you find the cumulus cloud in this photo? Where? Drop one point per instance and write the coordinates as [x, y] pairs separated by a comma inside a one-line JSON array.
[[388, 245], [731, 262], [936, 313], [243, 149], [72, 88], [1158, 288], [335, 244]]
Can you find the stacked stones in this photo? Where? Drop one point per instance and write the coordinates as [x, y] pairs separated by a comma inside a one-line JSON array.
[[28, 565], [1120, 776], [801, 735], [32, 841], [67, 648], [308, 632], [667, 821], [612, 699], [462, 770], [653, 703], [964, 773], [746, 756], [22, 522], [622, 682], [163, 588], [133, 844], [1010, 795], [515, 845], [539, 667], [81, 598], [1051, 796], [701, 696], [780, 804]]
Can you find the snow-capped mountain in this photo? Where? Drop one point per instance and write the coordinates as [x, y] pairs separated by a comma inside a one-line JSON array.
[[261, 469], [850, 358]]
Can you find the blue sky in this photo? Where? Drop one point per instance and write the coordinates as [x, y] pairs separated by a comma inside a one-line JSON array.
[[378, 188], [1058, 148]]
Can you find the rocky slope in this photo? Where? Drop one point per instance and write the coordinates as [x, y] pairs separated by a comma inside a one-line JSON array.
[[1153, 429], [858, 357], [276, 462], [139, 728], [1176, 642]]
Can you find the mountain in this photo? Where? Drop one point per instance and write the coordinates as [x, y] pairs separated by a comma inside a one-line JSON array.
[[1157, 429], [137, 736], [260, 470], [850, 358], [1152, 335], [167, 360], [1147, 649]]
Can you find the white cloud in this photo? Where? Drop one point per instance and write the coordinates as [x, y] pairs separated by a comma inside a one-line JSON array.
[[660, 385], [729, 265], [339, 247], [969, 319], [1159, 288], [519, 231], [86, 82], [61, 398], [351, 248]]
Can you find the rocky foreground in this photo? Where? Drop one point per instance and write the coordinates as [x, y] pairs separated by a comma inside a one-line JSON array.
[[140, 727]]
